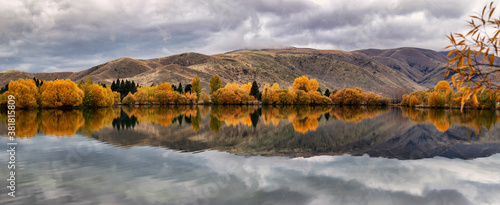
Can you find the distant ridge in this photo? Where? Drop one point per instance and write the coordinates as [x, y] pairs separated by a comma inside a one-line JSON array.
[[376, 70]]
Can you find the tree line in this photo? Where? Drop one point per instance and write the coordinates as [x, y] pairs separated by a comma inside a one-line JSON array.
[[33, 93], [443, 96]]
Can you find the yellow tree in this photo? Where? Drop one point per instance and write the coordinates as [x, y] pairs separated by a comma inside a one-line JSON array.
[[25, 92], [61, 93], [301, 83], [473, 54], [129, 99], [443, 86], [165, 87], [312, 85]]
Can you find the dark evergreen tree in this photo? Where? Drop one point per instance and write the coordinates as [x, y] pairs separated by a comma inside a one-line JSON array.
[[179, 88], [128, 85], [113, 86], [4, 89], [319, 90], [254, 91], [188, 88], [327, 92], [174, 88]]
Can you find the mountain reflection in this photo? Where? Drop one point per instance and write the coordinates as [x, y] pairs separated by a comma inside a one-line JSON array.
[[278, 130]]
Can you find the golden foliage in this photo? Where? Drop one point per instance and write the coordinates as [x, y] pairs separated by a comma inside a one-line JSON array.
[[129, 99], [191, 96], [434, 100], [301, 83], [230, 94], [443, 86], [348, 96], [61, 93], [204, 98], [413, 101], [165, 87], [473, 55], [270, 94], [25, 92]]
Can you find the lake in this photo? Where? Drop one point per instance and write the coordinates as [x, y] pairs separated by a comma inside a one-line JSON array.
[[254, 155]]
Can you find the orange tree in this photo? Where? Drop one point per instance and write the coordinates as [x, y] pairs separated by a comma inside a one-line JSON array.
[[473, 55], [60, 93], [25, 91]]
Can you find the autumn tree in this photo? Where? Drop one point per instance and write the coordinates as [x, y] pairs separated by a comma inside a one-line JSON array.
[[413, 101], [196, 87], [61, 93], [301, 83], [442, 86], [25, 92], [473, 55], [204, 98], [215, 84], [270, 95], [129, 99]]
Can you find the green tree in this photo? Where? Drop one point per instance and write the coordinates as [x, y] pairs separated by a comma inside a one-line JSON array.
[[327, 92], [215, 84], [196, 87], [254, 91]]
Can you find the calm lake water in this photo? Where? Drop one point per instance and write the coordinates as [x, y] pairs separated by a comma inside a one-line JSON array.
[[254, 155]]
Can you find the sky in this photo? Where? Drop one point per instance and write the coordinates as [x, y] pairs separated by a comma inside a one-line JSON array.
[[72, 35]]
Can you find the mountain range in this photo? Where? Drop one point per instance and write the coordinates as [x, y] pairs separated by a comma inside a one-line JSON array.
[[376, 70]]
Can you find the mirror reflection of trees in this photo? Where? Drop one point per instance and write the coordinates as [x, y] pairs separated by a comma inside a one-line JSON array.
[[302, 118], [443, 119]]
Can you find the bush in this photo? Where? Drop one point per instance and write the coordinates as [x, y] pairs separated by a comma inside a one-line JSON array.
[[316, 97], [302, 98], [413, 101], [487, 99], [348, 96], [406, 100], [129, 99], [434, 100], [326, 100], [204, 98]]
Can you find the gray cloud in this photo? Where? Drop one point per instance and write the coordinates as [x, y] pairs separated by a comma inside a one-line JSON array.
[[65, 35]]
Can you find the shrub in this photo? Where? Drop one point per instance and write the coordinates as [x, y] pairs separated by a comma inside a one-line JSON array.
[[434, 100], [315, 97], [413, 101], [302, 98], [443, 86], [204, 98], [25, 91], [406, 100], [129, 99]]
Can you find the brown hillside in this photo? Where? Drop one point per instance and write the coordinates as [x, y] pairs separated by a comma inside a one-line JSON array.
[[334, 69], [425, 67]]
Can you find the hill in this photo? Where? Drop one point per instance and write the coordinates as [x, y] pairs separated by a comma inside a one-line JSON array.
[[423, 66], [373, 70]]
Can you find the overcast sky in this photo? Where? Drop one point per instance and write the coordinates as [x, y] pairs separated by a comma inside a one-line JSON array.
[[72, 35]]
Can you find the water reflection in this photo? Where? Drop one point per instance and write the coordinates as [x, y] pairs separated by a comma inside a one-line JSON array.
[[444, 119], [279, 130]]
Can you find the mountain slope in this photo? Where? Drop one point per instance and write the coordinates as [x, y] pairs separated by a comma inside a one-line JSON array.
[[423, 66], [372, 70]]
